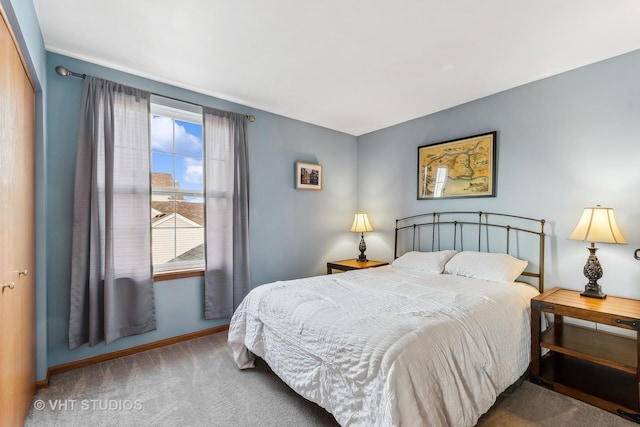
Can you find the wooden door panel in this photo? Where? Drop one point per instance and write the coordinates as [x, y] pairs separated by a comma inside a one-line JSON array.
[[17, 238]]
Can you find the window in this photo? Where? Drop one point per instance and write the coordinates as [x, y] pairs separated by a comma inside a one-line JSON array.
[[177, 196]]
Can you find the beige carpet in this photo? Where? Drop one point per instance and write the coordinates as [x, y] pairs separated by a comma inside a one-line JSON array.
[[197, 384]]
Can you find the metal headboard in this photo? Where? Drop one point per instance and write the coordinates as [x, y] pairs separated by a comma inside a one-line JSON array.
[[486, 230]]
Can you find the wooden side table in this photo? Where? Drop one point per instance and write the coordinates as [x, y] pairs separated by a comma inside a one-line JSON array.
[[352, 264], [597, 367]]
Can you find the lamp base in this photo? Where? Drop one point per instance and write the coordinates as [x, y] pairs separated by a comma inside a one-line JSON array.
[[593, 293], [362, 247], [593, 271]]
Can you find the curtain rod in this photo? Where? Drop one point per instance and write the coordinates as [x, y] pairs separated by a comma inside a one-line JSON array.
[[64, 72]]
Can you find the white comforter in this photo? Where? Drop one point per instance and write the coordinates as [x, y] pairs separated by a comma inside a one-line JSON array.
[[385, 347]]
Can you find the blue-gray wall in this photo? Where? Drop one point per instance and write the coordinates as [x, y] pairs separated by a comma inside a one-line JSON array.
[[564, 143]]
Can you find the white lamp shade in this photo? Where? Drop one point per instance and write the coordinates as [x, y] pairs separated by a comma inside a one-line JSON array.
[[597, 225], [361, 223]]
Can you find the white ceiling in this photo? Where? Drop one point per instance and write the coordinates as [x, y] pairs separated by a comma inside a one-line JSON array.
[[351, 65]]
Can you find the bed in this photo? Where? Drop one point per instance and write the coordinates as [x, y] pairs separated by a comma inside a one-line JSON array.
[[432, 339]]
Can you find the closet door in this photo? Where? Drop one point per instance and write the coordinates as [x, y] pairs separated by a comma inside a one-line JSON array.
[[17, 237]]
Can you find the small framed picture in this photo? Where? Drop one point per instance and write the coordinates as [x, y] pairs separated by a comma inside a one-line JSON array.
[[308, 176]]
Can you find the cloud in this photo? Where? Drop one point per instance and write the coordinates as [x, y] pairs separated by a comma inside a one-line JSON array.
[[162, 135], [187, 143], [193, 171]]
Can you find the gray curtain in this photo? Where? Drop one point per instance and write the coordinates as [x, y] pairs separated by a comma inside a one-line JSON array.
[[226, 212], [111, 278]]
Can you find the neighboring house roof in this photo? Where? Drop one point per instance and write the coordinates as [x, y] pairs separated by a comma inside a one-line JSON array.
[[156, 214], [163, 180], [195, 254], [162, 206], [158, 222], [169, 210], [192, 211]]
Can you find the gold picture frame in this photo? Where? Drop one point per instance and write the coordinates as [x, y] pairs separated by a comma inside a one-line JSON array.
[[308, 176], [458, 168]]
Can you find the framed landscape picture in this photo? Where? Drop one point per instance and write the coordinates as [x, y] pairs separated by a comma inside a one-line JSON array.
[[464, 167], [308, 176]]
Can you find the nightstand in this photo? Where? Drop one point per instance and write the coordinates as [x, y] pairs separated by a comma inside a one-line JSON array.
[[597, 367], [352, 264]]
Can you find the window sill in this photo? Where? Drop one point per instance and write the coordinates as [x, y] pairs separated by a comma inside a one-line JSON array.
[[178, 274]]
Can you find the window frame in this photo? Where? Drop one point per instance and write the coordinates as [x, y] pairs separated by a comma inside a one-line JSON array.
[[177, 111]]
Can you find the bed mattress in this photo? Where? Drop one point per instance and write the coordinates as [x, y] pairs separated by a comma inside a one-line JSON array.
[[388, 347]]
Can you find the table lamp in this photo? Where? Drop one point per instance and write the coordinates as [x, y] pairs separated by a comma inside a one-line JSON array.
[[361, 225], [597, 225]]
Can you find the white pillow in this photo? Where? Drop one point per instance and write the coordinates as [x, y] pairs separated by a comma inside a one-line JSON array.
[[429, 262], [486, 266]]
